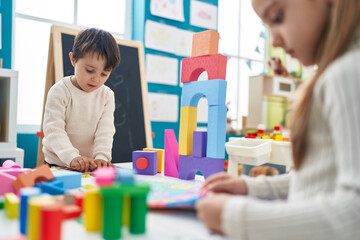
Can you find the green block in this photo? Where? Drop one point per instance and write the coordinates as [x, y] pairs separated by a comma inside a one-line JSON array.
[[1, 202], [113, 204]]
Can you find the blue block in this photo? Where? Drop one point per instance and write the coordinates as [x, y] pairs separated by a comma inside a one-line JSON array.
[[25, 193], [54, 187], [199, 144], [70, 179], [214, 90], [125, 176], [151, 157], [216, 132]]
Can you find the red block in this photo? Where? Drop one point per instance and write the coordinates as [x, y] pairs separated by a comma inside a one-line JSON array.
[[52, 217], [214, 65]]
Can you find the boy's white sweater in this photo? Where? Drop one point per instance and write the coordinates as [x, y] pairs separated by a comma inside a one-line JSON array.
[[78, 123]]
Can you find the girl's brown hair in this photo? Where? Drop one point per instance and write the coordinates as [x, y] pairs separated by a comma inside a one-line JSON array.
[[344, 18]]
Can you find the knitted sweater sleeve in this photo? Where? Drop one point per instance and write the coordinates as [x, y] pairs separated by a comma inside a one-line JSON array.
[[54, 124], [327, 215]]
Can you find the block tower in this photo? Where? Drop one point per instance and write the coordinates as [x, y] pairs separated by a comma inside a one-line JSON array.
[[203, 151]]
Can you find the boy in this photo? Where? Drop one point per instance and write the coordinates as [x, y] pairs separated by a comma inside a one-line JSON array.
[[79, 112]]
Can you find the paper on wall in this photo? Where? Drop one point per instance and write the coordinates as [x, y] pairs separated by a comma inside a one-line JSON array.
[[171, 9], [163, 70], [167, 38], [203, 15], [163, 107]]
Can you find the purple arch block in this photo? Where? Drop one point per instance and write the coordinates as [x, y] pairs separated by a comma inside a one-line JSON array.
[[189, 165]]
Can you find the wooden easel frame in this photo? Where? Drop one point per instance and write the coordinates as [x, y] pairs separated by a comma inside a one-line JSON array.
[[55, 72]]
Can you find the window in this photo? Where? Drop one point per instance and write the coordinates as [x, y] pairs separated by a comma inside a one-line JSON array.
[[244, 44], [31, 47]]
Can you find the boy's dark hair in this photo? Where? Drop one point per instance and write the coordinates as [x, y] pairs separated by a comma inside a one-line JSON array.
[[97, 41]]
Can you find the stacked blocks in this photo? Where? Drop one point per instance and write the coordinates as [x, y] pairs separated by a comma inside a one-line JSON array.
[[7, 177], [145, 162], [171, 154], [193, 145]]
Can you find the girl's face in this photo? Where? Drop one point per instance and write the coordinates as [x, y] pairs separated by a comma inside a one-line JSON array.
[[89, 71], [295, 25]]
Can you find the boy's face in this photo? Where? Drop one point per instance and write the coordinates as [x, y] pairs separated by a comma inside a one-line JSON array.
[[295, 25], [90, 73]]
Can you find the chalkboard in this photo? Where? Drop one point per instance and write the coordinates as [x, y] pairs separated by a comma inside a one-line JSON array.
[[133, 129]]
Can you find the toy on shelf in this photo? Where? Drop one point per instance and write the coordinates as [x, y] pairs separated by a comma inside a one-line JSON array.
[[277, 67]]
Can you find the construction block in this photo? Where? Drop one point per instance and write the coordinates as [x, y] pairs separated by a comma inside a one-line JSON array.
[[93, 211], [10, 164], [214, 65], [188, 123], [189, 165], [70, 211], [34, 215], [145, 162], [39, 174], [1, 202], [113, 202], [11, 205], [70, 179], [199, 144], [214, 91], [126, 210], [25, 194], [79, 199], [160, 154], [54, 187], [205, 43], [105, 175], [171, 154], [216, 132], [51, 216], [125, 176], [7, 177]]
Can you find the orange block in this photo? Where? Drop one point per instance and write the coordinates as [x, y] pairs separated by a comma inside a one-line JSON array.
[[39, 174], [205, 43], [214, 65]]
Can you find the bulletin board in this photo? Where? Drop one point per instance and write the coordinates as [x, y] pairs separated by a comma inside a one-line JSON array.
[[160, 16], [132, 123]]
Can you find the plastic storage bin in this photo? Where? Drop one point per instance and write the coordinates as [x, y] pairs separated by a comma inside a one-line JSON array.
[[281, 153], [249, 151]]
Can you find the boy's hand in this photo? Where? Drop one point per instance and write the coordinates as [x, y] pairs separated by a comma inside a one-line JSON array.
[[83, 164], [223, 182], [210, 208], [103, 163]]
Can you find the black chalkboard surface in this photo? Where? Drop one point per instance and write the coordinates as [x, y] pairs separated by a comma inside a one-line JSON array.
[[133, 130]]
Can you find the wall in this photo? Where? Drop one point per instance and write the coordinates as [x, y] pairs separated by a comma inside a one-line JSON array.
[[141, 13], [6, 30]]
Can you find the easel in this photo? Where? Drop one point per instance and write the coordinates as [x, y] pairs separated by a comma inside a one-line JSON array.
[[54, 73]]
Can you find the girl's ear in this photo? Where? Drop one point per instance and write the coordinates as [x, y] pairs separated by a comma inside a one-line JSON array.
[[72, 59]]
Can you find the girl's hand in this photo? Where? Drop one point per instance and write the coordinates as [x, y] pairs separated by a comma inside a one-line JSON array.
[[102, 163], [223, 182], [82, 164], [210, 209]]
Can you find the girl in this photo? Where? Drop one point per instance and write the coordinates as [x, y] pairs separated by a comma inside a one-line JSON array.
[[321, 198]]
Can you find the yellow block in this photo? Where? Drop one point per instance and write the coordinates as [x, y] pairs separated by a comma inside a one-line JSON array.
[[93, 207], [126, 210], [160, 154], [11, 205], [188, 123], [34, 215]]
